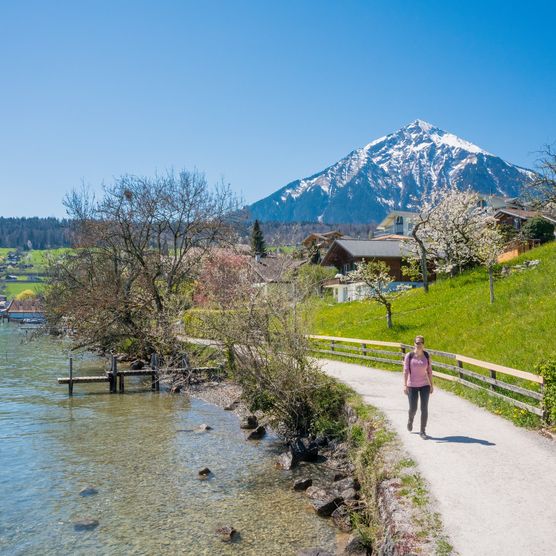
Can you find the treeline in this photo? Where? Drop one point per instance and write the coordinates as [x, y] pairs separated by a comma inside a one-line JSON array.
[[292, 233], [34, 232]]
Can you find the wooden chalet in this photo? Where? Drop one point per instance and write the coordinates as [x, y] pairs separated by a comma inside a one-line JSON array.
[[517, 217]]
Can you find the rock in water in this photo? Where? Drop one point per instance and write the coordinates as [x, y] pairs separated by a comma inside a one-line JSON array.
[[226, 533], [204, 472], [88, 491], [249, 422], [257, 434], [86, 524], [203, 427], [302, 484], [286, 461], [341, 518], [356, 547], [325, 507]]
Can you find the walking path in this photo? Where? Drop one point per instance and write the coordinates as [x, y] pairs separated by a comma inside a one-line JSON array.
[[495, 483]]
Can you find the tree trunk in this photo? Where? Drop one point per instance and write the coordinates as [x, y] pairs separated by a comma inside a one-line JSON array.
[[423, 257], [491, 284], [424, 270], [389, 315]]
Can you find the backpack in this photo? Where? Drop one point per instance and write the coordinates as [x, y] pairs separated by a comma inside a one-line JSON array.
[[411, 354]]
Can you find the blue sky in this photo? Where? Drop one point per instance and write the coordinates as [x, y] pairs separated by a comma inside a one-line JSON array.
[[258, 93]]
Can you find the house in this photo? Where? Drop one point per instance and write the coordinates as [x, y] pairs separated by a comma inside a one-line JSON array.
[[517, 217], [344, 254], [323, 241], [25, 309], [272, 271], [398, 222]]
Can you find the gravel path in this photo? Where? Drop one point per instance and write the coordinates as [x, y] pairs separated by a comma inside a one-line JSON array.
[[495, 483]]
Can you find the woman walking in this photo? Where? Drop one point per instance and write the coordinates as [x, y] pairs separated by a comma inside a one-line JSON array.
[[417, 383]]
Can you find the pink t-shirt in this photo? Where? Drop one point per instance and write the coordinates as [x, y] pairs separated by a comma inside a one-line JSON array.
[[420, 367]]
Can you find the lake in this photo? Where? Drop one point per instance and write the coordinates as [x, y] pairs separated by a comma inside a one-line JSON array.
[[137, 451]]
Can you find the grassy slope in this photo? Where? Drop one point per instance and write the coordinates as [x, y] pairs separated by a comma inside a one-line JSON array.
[[517, 330]]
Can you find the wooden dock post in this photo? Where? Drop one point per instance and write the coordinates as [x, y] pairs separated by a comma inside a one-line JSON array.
[[70, 383], [113, 374], [156, 373], [122, 385], [153, 374]]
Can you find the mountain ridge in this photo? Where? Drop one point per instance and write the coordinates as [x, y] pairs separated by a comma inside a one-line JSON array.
[[390, 173]]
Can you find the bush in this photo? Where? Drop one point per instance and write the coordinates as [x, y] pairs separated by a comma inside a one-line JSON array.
[[547, 369], [538, 228], [25, 294]]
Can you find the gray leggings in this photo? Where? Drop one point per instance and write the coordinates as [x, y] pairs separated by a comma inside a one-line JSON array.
[[413, 395]]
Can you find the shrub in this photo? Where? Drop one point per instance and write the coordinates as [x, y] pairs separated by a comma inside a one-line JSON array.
[[547, 369], [538, 228], [25, 294]]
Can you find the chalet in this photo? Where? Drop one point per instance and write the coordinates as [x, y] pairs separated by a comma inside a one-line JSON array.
[[323, 240], [398, 222], [25, 309], [344, 254], [517, 217]]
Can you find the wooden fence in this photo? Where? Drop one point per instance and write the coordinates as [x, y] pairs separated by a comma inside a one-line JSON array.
[[483, 376]]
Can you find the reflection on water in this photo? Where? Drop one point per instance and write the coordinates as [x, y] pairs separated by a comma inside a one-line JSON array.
[[133, 449]]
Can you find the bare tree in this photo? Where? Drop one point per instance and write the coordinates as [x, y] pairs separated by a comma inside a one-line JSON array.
[[542, 191], [138, 250]]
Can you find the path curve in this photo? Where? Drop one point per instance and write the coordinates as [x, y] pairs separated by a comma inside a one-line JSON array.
[[495, 483]]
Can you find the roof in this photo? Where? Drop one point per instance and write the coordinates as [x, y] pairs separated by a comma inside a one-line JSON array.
[[324, 236], [31, 305], [392, 236], [525, 214], [368, 248], [274, 269]]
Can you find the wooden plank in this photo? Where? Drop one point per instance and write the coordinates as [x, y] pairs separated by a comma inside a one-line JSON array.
[[357, 356], [141, 372], [495, 382], [83, 379], [501, 369], [363, 348], [354, 340], [522, 405]]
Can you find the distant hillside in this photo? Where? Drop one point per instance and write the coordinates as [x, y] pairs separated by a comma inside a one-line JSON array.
[[389, 173], [43, 233]]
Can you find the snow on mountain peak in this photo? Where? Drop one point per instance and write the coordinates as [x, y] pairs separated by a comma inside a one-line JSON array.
[[388, 173]]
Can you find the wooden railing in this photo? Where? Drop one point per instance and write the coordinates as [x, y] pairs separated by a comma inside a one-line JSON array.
[[482, 375]]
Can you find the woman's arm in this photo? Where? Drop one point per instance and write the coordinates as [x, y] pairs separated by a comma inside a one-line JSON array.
[[429, 374], [405, 372]]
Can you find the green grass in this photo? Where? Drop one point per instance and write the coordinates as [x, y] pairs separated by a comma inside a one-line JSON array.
[[516, 331], [14, 288]]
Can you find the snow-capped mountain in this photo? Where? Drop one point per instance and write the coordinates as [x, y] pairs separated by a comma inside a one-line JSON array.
[[390, 173]]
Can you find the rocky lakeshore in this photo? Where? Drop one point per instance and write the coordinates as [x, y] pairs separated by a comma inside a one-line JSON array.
[[323, 472]]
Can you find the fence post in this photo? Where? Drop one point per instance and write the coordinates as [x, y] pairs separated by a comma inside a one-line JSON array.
[[332, 344], [460, 365], [492, 375], [364, 349], [70, 384]]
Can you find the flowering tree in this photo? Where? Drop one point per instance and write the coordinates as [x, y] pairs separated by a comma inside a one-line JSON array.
[[490, 245], [375, 275]]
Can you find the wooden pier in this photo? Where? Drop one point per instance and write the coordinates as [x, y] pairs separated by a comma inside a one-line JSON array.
[[116, 378]]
